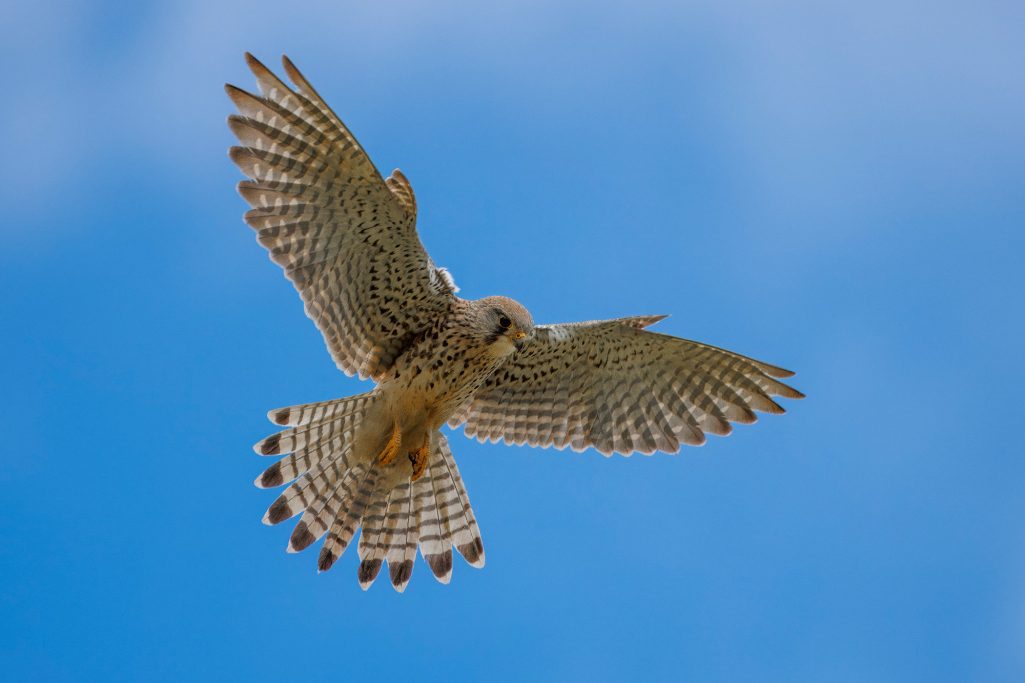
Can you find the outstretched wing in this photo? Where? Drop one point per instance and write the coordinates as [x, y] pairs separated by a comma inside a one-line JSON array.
[[614, 386], [345, 237]]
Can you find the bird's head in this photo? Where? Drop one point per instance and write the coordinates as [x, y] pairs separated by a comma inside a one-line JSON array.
[[504, 323]]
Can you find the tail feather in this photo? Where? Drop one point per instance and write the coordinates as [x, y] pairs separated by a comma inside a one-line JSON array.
[[337, 495], [396, 542], [303, 460], [305, 490], [309, 413], [318, 517], [455, 509], [311, 434], [310, 444], [435, 543], [347, 522], [402, 555], [380, 542], [373, 526]]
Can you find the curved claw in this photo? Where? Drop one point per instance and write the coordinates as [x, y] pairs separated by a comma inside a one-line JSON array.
[[391, 449], [419, 458]]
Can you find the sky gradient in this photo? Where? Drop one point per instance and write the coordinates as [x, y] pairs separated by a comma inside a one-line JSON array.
[[835, 188]]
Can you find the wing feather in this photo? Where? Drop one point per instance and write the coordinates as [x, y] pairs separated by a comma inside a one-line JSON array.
[[614, 386], [345, 236]]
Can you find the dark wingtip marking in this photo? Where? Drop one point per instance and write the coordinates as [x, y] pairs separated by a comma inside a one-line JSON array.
[[400, 573], [238, 156], [272, 477], [718, 427], [368, 570], [281, 417], [238, 94], [302, 538], [269, 446], [294, 74], [472, 551], [253, 62], [652, 319], [441, 565], [326, 560], [747, 417], [278, 512]]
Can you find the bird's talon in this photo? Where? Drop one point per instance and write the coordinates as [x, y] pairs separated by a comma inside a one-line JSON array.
[[392, 447], [418, 459]]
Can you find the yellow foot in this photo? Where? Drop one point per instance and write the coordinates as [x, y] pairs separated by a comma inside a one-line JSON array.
[[393, 446], [418, 459]]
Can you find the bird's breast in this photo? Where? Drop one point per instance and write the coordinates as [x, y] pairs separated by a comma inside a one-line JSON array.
[[436, 377]]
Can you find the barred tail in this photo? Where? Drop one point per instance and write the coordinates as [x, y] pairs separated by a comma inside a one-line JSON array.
[[337, 495], [432, 512]]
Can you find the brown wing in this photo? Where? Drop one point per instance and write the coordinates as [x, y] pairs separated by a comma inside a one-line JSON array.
[[345, 237], [612, 385]]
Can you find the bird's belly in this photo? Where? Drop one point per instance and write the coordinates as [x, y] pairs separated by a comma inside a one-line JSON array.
[[432, 394]]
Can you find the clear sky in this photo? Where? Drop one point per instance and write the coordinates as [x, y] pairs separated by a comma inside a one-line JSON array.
[[838, 188]]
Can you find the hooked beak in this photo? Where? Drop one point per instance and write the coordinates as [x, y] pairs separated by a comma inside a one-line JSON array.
[[519, 339]]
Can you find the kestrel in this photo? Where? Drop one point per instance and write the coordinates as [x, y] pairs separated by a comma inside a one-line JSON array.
[[347, 239]]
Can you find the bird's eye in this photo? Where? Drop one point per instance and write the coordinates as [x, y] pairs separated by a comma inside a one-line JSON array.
[[504, 322]]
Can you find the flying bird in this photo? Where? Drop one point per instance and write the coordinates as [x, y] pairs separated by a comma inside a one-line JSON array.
[[346, 238]]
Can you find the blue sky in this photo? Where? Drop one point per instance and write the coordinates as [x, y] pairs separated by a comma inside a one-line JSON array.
[[838, 188]]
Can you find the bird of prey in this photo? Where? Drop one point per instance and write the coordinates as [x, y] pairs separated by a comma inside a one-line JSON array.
[[346, 237]]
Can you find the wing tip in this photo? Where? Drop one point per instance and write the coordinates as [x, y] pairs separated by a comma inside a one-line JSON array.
[[296, 76], [253, 63], [774, 370], [641, 321], [785, 390], [237, 154]]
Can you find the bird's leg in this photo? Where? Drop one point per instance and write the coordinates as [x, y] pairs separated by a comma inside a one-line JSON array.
[[419, 457], [391, 449]]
